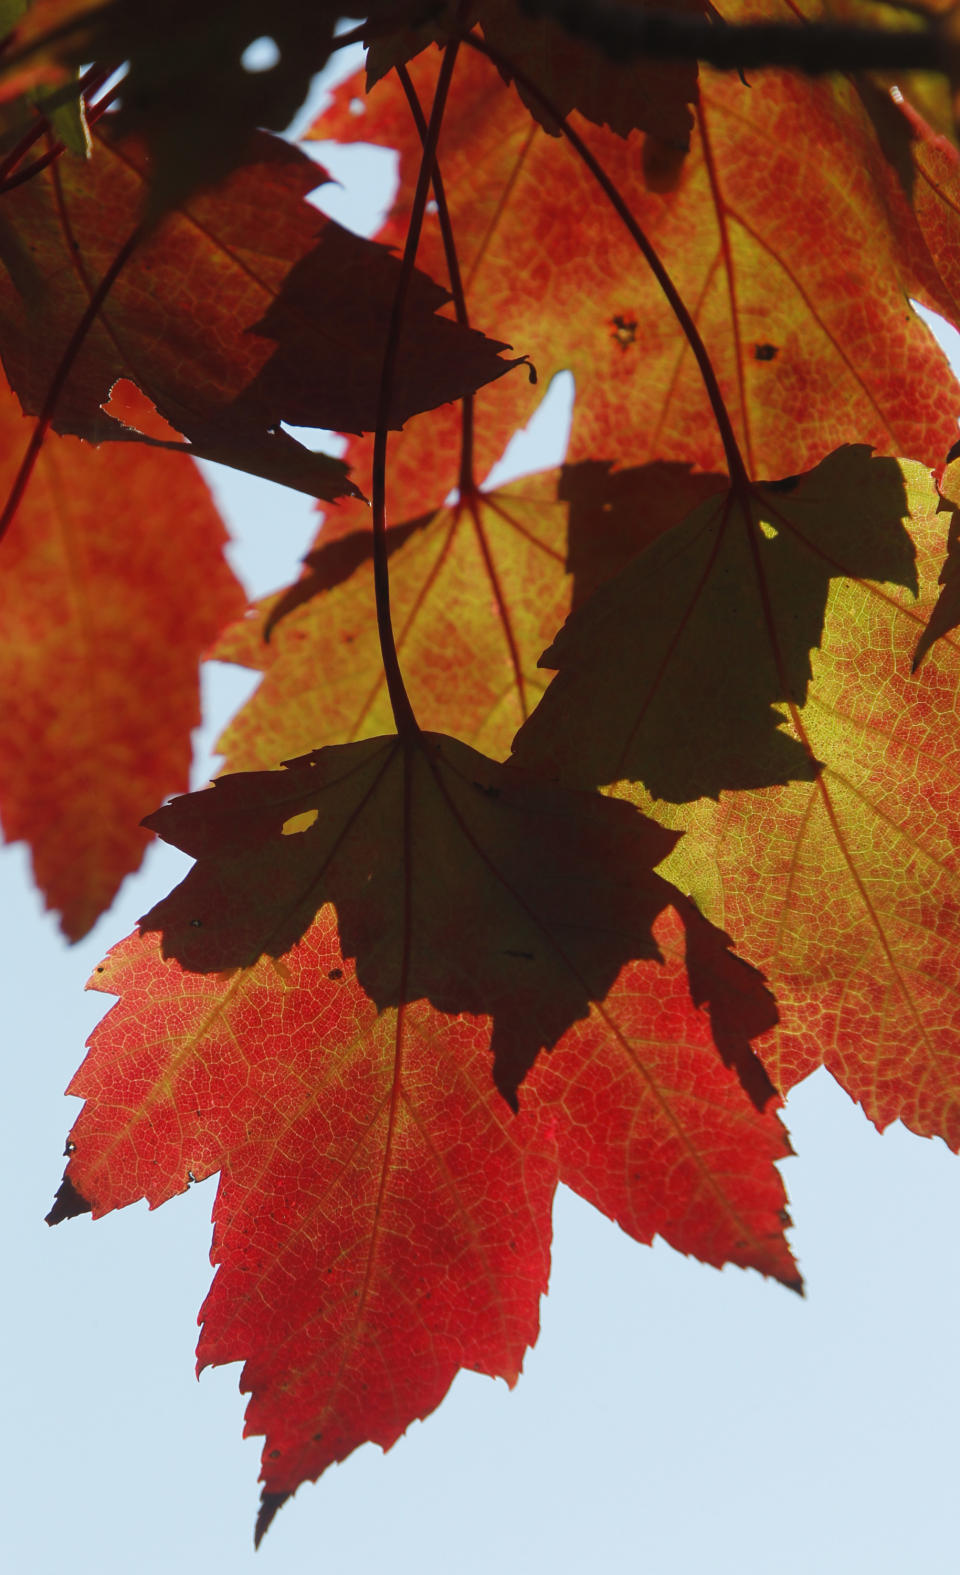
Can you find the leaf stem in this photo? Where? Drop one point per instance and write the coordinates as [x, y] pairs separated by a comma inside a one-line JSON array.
[[11, 175], [739, 475], [22, 478], [466, 483], [403, 716]]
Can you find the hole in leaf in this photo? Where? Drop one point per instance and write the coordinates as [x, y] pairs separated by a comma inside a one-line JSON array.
[[129, 404], [301, 822], [542, 443], [623, 329], [262, 54]]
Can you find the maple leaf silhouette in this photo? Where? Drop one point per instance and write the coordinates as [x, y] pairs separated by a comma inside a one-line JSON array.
[[678, 672], [627, 96], [194, 55], [454, 880], [293, 322]]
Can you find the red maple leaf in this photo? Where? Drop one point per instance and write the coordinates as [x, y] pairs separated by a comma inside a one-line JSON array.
[[407, 988]]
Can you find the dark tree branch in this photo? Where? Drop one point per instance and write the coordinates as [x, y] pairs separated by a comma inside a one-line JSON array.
[[626, 33]]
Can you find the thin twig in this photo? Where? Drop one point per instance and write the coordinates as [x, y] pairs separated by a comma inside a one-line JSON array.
[[22, 479], [467, 483], [735, 464], [404, 718]]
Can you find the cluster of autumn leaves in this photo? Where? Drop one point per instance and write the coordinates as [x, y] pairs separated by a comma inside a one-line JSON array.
[[697, 831]]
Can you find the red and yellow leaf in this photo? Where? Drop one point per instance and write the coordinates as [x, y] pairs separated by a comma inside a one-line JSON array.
[[844, 887], [230, 326], [366, 936], [113, 585], [625, 95], [477, 591], [945, 616], [814, 345]]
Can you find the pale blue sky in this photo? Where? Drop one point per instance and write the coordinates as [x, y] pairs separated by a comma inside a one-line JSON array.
[[671, 1418]]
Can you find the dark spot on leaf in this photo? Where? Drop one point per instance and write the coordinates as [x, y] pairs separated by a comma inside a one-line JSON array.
[[71, 1148], [318, 1437], [487, 789], [509, 953], [623, 330], [765, 352], [196, 924], [100, 967], [274, 1454], [662, 162], [335, 973]]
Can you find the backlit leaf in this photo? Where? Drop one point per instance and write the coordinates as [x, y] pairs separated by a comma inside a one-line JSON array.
[[680, 672], [486, 584], [383, 1217], [228, 325], [845, 889], [814, 345], [112, 586]]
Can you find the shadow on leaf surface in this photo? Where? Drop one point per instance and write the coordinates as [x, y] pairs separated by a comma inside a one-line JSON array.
[[681, 672], [455, 880]]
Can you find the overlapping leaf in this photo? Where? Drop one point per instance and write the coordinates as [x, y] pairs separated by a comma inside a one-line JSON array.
[[715, 624], [927, 166], [112, 586], [178, 53], [383, 1218], [478, 591], [844, 888], [572, 72], [229, 324], [945, 616], [387, 943], [813, 345]]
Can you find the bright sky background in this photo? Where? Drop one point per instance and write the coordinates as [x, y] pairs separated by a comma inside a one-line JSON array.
[[671, 1418]]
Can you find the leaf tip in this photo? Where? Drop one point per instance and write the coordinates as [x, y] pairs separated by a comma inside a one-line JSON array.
[[270, 1503], [67, 1203]]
